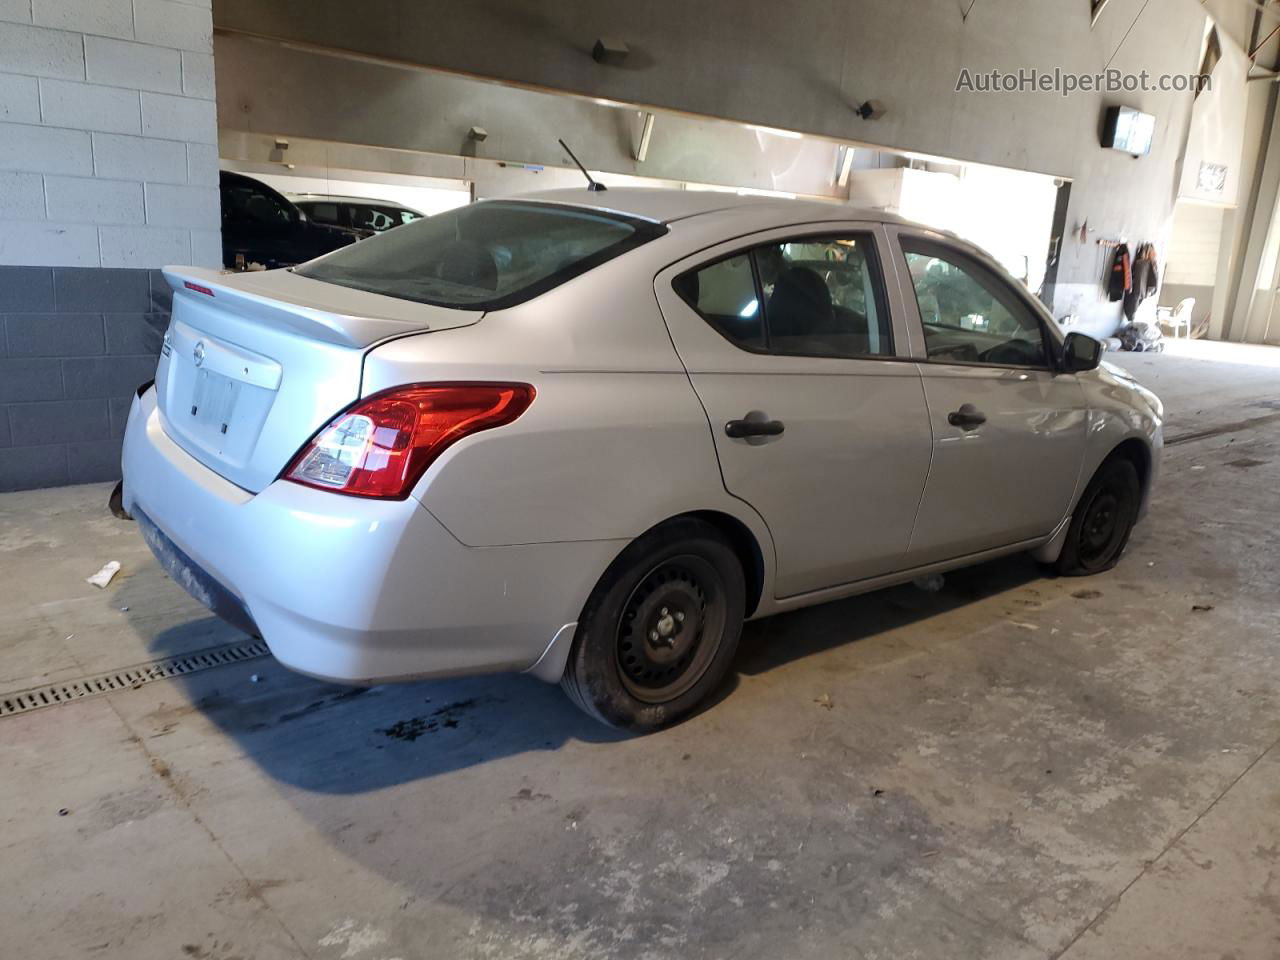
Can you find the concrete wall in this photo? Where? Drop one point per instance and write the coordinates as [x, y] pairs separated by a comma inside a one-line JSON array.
[[74, 344], [803, 67], [263, 88], [108, 170], [1191, 266], [256, 154]]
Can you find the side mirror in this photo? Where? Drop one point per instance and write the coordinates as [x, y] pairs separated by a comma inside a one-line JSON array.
[[1080, 352]]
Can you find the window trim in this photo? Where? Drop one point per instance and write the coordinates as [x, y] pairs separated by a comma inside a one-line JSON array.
[[879, 283], [967, 260]]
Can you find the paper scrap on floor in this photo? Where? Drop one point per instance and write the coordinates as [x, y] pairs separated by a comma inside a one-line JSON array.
[[103, 576]]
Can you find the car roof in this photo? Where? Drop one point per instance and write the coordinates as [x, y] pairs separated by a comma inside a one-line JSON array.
[[343, 198], [666, 205]]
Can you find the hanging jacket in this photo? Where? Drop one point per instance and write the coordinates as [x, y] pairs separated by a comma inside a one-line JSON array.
[[1120, 279], [1145, 280]]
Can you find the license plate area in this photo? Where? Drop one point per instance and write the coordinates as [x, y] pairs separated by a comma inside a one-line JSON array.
[[214, 401], [216, 395]]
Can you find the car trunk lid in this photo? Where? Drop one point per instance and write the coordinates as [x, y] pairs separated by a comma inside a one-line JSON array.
[[254, 364]]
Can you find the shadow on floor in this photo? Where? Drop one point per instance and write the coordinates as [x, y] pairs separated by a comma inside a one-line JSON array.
[[767, 644], [332, 739]]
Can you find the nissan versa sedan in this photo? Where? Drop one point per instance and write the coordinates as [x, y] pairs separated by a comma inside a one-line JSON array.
[[586, 435]]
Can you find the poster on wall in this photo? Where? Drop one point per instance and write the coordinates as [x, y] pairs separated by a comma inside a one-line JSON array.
[[1212, 178], [1210, 161]]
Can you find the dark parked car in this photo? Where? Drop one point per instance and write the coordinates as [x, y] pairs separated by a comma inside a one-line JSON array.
[[260, 226], [356, 213]]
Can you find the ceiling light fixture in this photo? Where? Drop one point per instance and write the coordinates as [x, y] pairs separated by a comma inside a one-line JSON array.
[[774, 131]]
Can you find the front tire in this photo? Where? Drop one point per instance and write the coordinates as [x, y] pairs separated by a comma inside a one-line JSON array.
[[1102, 521], [660, 629]]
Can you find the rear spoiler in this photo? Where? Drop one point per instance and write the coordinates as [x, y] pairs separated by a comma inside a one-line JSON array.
[[311, 308]]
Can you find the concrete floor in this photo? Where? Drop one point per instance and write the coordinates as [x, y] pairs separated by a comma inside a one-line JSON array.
[[1015, 767]]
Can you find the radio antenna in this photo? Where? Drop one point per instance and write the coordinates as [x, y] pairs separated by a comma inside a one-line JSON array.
[[591, 184]]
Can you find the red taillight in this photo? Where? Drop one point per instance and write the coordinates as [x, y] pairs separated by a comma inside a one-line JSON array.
[[197, 288], [381, 446]]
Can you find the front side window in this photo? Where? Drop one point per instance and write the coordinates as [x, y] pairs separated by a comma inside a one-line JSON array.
[[968, 314], [816, 296], [248, 203], [485, 256]]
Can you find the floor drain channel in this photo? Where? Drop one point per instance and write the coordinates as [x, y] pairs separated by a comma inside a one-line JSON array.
[[50, 695]]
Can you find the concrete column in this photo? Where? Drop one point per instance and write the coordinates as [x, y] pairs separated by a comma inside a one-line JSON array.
[[1256, 214]]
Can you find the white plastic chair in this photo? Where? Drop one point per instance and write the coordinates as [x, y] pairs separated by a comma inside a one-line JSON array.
[[1179, 316]]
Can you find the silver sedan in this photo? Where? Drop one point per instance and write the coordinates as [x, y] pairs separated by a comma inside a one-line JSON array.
[[587, 434]]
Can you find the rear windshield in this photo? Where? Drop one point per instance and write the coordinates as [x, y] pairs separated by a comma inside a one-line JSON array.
[[485, 256]]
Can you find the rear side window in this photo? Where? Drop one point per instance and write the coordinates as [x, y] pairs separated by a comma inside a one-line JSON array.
[[725, 294], [322, 212], [485, 256], [368, 217], [814, 297]]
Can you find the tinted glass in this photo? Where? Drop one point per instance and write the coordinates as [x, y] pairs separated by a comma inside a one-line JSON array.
[[485, 256], [823, 297], [247, 203], [322, 212], [369, 217], [969, 314], [725, 294]]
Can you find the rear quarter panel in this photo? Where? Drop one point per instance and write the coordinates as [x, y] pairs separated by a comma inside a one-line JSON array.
[[615, 441]]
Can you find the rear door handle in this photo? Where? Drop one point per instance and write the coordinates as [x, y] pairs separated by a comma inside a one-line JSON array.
[[967, 417], [739, 429]]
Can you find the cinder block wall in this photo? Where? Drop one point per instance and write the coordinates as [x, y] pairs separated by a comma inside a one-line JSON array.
[[108, 171]]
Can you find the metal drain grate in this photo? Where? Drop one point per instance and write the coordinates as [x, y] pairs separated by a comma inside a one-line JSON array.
[[24, 701]]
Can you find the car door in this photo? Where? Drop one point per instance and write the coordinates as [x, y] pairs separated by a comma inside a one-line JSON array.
[[1009, 428], [818, 419]]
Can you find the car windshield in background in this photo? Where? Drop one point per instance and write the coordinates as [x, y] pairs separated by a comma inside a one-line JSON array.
[[485, 256]]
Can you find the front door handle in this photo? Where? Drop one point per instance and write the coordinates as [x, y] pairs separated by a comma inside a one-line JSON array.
[[968, 417], [738, 429]]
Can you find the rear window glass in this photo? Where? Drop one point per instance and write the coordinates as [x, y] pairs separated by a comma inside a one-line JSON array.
[[485, 256]]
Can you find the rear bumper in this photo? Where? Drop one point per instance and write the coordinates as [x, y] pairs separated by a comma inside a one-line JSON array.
[[352, 590]]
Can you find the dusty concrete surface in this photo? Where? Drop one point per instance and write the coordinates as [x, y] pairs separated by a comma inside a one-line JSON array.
[[1015, 767]]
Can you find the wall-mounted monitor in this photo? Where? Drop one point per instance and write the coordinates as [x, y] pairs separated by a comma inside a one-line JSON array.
[[1129, 130]]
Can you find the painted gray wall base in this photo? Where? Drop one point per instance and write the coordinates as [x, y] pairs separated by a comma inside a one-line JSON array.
[[75, 342]]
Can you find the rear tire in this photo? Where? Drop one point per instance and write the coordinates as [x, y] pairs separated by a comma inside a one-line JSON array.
[[1102, 521], [660, 629]]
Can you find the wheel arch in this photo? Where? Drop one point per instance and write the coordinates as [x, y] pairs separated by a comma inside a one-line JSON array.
[[744, 544], [1137, 452]]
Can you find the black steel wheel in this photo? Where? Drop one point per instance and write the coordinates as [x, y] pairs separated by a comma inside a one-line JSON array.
[[1102, 520], [669, 628], [660, 629]]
